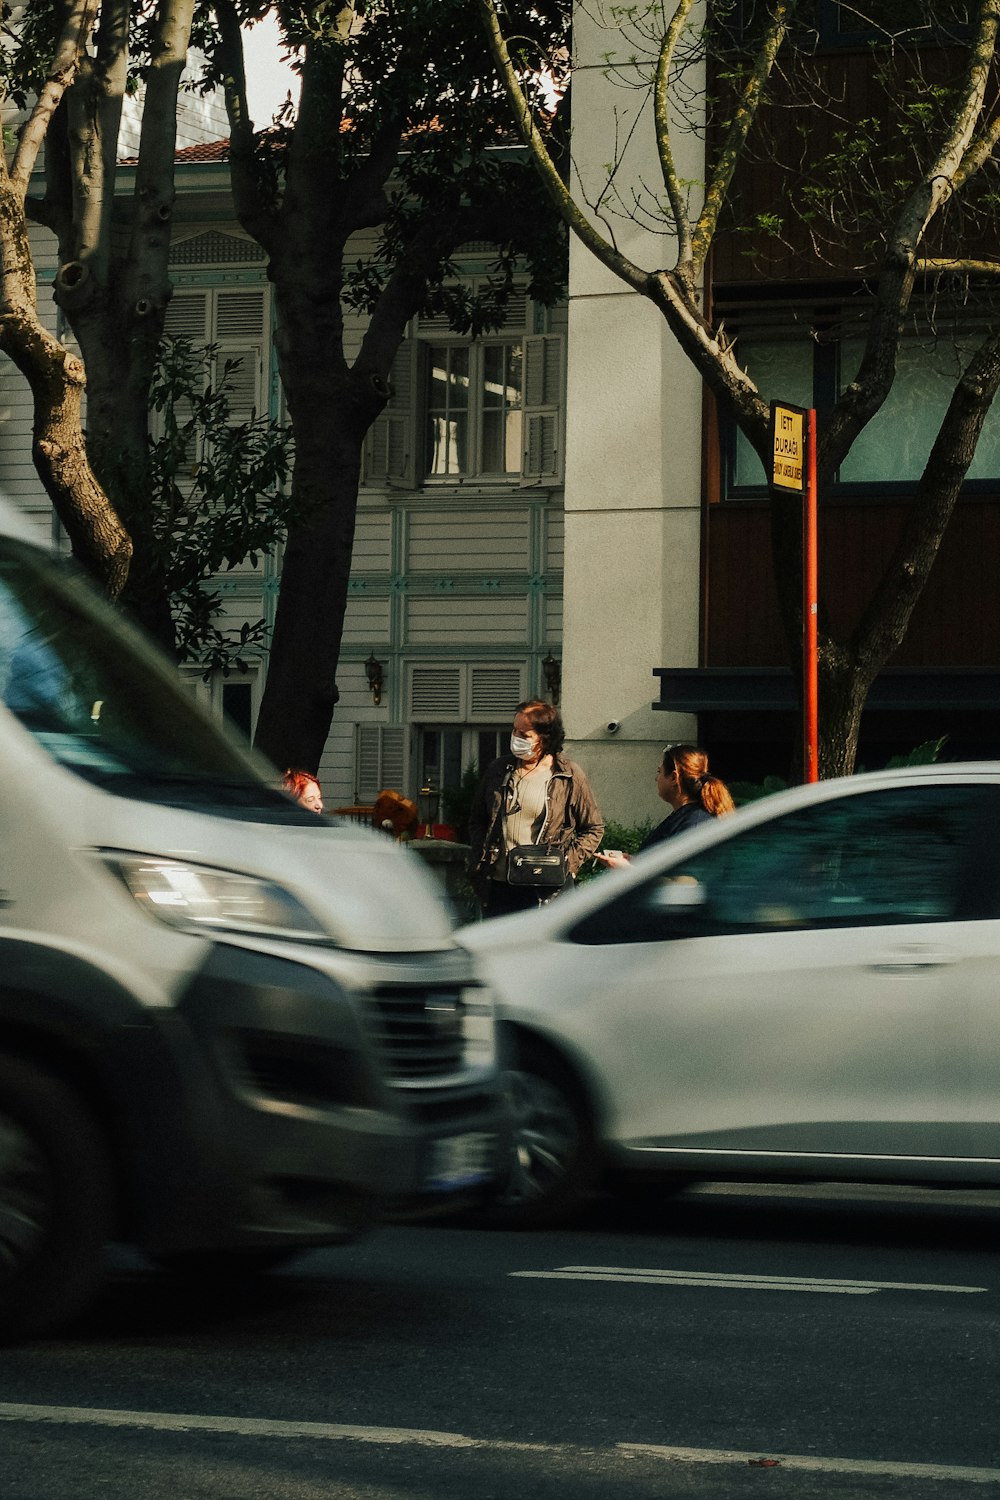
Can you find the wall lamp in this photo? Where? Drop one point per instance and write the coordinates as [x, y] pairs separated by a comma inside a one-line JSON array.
[[552, 672], [373, 673]]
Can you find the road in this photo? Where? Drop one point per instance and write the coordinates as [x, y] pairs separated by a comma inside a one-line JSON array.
[[784, 1342]]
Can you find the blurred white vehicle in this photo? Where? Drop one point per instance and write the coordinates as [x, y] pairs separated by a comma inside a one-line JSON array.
[[807, 989], [229, 1028]]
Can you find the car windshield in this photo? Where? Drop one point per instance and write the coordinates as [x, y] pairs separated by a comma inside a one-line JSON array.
[[104, 704]]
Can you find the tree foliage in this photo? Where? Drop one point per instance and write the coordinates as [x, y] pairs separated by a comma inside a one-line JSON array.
[[396, 156], [218, 497], [396, 140]]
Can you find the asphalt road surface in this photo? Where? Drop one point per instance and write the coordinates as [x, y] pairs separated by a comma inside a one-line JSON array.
[[782, 1343]]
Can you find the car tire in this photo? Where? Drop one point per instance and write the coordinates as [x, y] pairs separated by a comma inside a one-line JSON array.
[[56, 1201], [551, 1164]]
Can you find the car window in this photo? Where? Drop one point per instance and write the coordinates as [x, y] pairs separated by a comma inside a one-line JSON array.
[[909, 854], [106, 707]]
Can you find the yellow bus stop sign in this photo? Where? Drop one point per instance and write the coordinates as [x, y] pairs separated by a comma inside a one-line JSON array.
[[788, 448]]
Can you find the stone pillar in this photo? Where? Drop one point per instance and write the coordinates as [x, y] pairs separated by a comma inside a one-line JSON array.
[[633, 454]]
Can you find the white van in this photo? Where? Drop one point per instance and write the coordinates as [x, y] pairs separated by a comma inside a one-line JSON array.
[[229, 1028]]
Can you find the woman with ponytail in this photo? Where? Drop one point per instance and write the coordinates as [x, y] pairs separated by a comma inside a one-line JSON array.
[[684, 781]]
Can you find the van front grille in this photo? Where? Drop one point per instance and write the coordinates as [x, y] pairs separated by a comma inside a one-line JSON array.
[[420, 1033]]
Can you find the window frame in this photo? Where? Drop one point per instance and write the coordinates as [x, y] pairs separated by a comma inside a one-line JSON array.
[[475, 411]]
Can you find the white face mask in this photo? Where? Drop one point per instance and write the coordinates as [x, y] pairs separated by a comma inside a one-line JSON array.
[[521, 747]]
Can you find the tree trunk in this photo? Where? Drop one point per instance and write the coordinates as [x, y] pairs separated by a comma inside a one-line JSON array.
[[843, 688], [57, 381], [118, 417], [301, 690]]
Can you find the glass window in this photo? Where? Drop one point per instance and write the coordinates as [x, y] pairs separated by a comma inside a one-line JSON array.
[[894, 446], [897, 441], [783, 371], [501, 448], [890, 857], [448, 409], [104, 705], [474, 398]]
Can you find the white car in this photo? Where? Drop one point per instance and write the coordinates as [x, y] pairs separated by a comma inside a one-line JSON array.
[[807, 989]]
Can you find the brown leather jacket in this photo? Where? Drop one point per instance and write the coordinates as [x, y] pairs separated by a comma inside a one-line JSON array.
[[573, 822]]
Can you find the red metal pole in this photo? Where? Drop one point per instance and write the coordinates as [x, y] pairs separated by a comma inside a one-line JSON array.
[[810, 609]]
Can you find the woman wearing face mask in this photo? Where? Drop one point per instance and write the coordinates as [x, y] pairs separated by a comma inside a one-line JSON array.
[[531, 796]]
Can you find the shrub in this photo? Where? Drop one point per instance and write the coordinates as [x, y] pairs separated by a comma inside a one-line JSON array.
[[624, 836]]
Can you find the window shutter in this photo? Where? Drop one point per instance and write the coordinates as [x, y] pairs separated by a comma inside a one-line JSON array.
[[239, 315], [390, 447], [186, 318], [379, 760], [494, 693], [436, 694], [243, 383], [542, 457], [239, 333]]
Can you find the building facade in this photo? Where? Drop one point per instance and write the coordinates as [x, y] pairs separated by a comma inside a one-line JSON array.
[[455, 607]]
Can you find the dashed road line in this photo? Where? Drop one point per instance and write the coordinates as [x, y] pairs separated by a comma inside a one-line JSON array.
[[739, 1282]]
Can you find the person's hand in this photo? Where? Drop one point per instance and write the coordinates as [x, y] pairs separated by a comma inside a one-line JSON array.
[[611, 859]]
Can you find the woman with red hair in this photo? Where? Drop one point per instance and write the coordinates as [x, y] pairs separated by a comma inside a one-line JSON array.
[[304, 788], [684, 781]]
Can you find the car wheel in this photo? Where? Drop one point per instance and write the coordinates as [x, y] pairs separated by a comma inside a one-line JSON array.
[[551, 1160], [56, 1201]]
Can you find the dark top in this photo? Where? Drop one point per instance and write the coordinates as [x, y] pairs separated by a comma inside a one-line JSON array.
[[688, 815]]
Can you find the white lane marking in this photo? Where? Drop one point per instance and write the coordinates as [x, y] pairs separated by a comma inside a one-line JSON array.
[[760, 1283], [165, 1421], [168, 1421], [748, 1284], [871, 1468]]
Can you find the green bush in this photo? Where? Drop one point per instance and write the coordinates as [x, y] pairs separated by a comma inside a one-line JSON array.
[[752, 791], [927, 754], [624, 836]]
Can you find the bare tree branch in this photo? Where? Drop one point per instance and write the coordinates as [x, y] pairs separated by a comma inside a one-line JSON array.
[[608, 254], [661, 115], [864, 396], [739, 128]]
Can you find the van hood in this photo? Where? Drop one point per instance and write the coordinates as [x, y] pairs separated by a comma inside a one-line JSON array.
[[369, 893]]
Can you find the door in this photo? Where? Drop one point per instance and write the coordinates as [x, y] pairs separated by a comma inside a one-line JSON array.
[[791, 990]]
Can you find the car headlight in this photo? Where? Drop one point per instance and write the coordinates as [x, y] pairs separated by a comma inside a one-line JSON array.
[[198, 896]]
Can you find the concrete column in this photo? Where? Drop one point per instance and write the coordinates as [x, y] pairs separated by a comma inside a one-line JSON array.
[[633, 451]]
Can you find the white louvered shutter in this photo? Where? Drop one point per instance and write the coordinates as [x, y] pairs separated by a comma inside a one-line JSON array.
[[544, 383], [494, 693], [187, 318], [436, 694], [239, 333], [390, 447], [379, 760]]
